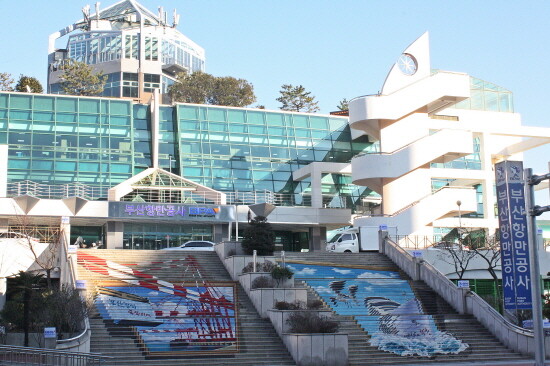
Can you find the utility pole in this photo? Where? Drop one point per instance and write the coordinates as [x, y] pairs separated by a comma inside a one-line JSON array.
[[533, 211]]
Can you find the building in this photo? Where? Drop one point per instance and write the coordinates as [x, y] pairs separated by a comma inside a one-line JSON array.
[[440, 134], [138, 50]]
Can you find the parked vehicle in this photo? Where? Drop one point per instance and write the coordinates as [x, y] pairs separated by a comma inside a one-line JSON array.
[[355, 239], [194, 245]]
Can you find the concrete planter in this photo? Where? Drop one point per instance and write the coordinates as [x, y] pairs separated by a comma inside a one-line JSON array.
[[279, 318], [225, 248], [264, 299], [246, 280], [318, 349], [236, 263]]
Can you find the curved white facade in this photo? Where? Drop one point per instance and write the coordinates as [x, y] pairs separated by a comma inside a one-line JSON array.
[[421, 136]]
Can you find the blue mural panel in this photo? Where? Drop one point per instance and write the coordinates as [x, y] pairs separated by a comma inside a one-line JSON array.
[[384, 305]]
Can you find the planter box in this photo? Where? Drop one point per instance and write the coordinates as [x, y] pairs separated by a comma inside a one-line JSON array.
[[264, 299], [279, 318], [246, 280], [236, 263], [318, 349], [224, 248]]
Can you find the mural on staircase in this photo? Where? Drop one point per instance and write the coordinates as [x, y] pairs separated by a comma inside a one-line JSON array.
[[165, 317], [384, 305]]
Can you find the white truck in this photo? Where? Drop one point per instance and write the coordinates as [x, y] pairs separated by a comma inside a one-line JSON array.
[[356, 239]]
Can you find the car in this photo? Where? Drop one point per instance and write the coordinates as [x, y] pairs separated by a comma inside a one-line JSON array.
[[343, 243], [201, 245]]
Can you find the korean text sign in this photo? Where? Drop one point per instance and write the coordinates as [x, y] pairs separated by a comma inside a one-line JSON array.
[[512, 220]]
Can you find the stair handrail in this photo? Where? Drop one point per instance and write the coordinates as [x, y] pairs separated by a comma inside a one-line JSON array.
[[402, 147], [466, 301], [75, 357], [414, 203]]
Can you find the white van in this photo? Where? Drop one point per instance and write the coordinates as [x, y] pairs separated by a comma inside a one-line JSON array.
[[346, 242]]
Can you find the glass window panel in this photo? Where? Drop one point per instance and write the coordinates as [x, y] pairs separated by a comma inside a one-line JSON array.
[[303, 143], [278, 141], [189, 125], [236, 116], [88, 167], [43, 139], [216, 114], [260, 174], [187, 112], [166, 113], [240, 150], [89, 106], [42, 164], [302, 132], [305, 155], [491, 101], [282, 176], [66, 117], [255, 117], [238, 138], [279, 153], [505, 102], [336, 123], [278, 131], [67, 105], [300, 121], [218, 127], [121, 168], [120, 108], [476, 99], [140, 111], [318, 122], [120, 121], [321, 135], [260, 151], [59, 127], [258, 130], [221, 173], [65, 165], [44, 103], [16, 114], [258, 140], [43, 116], [4, 101], [238, 128], [220, 149], [18, 164], [21, 101], [261, 165], [264, 185], [275, 119], [20, 125], [88, 118]]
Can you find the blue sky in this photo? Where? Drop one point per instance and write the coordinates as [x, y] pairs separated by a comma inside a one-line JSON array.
[[336, 49]]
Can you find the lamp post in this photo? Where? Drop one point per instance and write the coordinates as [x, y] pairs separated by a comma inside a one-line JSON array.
[[170, 163], [459, 203]]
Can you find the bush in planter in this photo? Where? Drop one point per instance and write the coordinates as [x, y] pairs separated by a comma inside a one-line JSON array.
[[280, 273], [259, 236], [315, 304], [308, 322], [283, 305], [260, 267], [262, 282]]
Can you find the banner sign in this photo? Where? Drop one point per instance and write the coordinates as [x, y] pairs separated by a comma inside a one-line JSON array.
[[171, 211], [512, 220]]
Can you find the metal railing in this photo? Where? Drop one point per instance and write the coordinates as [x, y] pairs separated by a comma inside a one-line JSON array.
[[60, 191], [14, 355]]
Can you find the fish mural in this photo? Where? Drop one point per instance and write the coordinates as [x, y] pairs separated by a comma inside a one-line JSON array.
[[384, 305]]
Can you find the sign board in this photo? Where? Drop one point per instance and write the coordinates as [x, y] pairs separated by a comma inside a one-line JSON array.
[[383, 227], [529, 323], [171, 212], [50, 332], [65, 220], [71, 249], [417, 253], [463, 283], [512, 219], [80, 284]]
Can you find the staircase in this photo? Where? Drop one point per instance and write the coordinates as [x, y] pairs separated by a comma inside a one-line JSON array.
[[256, 342], [482, 347]]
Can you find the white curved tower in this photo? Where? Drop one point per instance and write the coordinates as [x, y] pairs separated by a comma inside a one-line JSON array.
[[440, 134]]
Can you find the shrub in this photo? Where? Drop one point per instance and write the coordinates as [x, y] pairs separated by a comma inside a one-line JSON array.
[[283, 305], [308, 322], [260, 267], [259, 236], [280, 273], [262, 282], [315, 304]]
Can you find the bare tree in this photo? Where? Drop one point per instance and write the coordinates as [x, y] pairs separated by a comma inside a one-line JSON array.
[[459, 256], [488, 248], [33, 236]]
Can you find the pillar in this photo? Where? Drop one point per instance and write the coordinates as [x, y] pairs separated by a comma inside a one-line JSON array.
[[317, 238], [115, 232]]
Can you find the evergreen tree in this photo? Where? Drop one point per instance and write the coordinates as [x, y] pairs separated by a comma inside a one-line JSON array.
[[344, 105], [5, 82], [202, 88], [79, 78], [295, 98], [24, 283], [33, 84], [259, 236]]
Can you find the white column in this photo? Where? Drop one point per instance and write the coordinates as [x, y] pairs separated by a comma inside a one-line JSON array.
[[3, 170], [316, 190], [155, 127]]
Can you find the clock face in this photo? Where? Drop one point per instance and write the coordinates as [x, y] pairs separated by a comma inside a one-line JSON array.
[[407, 64]]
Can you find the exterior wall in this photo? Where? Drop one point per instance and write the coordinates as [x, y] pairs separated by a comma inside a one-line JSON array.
[[4, 170]]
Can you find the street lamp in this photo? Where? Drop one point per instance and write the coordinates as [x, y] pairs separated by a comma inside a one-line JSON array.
[[459, 203]]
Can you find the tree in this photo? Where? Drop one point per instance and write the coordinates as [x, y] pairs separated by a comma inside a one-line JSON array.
[[344, 105], [259, 236], [202, 88], [33, 84], [488, 248], [5, 82], [25, 283], [295, 98], [458, 254], [79, 78]]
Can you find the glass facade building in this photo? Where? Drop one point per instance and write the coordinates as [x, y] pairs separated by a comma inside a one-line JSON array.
[[100, 142]]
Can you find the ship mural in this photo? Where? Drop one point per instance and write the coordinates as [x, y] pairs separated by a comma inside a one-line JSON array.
[[384, 305], [166, 317]]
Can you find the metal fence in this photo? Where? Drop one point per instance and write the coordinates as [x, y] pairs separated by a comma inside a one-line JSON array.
[[13, 355]]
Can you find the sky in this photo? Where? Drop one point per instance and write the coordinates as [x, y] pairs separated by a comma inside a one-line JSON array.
[[335, 49]]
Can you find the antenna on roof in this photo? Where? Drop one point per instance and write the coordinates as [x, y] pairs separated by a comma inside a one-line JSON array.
[[161, 13], [86, 13], [176, 19], [97, 10]]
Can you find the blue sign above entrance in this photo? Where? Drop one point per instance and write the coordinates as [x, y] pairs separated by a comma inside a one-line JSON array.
[[171, 211]]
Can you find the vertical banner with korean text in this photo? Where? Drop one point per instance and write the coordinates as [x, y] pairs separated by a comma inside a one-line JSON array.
[[513, 235]]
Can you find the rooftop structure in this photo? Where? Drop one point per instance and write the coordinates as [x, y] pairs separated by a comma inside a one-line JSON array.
[[139, 50]]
